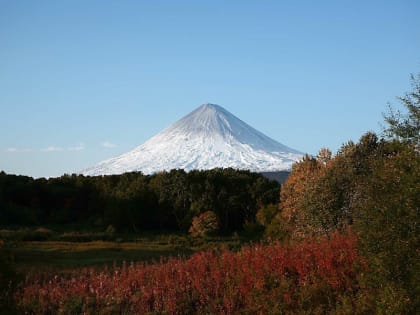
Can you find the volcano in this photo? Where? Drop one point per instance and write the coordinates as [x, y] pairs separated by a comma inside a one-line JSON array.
[[209, 137]]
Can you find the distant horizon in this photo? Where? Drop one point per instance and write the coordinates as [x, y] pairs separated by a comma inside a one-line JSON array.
[[83, 82]]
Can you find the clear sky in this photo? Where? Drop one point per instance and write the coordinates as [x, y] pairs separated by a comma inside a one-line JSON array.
[[83, 81]]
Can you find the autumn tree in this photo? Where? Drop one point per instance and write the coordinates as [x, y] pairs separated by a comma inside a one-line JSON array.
[[373, 187], [204, 224], [292, 216]]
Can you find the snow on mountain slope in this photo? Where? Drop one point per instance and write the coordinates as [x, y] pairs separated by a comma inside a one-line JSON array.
[[209, 137]]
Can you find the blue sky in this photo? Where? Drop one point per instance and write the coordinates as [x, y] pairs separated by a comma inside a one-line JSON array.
[[83, 81]]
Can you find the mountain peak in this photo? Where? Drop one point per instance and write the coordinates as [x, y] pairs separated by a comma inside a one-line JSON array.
[[208, 137], [209, 109], [207, 119], [211, 106]]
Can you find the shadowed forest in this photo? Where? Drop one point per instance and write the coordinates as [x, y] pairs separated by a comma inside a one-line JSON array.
[[134, 202]]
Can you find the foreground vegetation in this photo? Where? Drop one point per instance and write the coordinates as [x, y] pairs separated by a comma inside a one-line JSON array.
[[344, 238], [372, 186], [259, 279]]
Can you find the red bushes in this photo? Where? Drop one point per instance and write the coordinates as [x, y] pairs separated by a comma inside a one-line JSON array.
[[260, 279]]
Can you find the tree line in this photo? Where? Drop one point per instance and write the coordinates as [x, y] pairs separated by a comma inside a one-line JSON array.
[[134, 202]]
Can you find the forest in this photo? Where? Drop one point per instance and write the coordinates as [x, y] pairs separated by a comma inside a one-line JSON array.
[[340, 236], [134, 202]]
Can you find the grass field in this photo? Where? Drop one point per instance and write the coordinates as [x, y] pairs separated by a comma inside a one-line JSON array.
[[85, 250], [65, 255]]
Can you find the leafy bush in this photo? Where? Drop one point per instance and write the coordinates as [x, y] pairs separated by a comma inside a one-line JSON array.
[[204, 224]]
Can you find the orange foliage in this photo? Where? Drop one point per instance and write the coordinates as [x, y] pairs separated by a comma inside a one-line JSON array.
[[297, 187]]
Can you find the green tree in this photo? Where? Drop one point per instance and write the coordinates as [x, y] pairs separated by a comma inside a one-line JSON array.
[[405, 127], [386, 216], [266, 214]]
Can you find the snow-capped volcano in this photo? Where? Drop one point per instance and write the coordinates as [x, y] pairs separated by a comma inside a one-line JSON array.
[[209, 137]]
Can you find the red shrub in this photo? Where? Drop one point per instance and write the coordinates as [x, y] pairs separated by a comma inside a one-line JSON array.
[[259, 279]]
